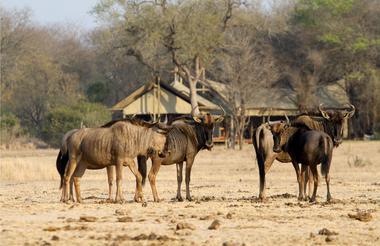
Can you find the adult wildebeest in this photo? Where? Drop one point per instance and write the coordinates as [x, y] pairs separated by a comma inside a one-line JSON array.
[[61, 163], [330, 122], [308, 147], [187, 136], [115, 145]]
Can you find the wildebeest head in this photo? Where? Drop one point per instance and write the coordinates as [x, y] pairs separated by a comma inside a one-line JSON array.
[[278, 130], [335, 121], [207, 123]]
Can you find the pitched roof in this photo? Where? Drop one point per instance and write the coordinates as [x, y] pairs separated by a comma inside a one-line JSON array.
[[333, 96], [175, 88]]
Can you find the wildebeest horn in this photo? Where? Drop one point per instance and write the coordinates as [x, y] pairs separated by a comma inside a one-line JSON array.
[[268, 119], [152, 118], [287, 119], [351, 112], [197, 118], [323, 112], [220, 118]]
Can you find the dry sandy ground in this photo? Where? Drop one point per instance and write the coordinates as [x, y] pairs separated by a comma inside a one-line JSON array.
[[225, 186]]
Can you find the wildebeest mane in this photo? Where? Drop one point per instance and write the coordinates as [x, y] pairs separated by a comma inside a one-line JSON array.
[[133, 121]]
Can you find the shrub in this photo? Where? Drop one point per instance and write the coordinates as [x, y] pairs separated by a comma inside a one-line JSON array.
[[62, 119]]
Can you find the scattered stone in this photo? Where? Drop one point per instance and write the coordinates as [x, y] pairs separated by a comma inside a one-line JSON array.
[[88, 219], [229, 216], [329, 239], [219, 213], [189, 206], [173, 221], [312, 235], [54, 238], [230, 243], [183, 225], [144, 204], [75, 228], [327, 232], [121, 211], [361, 216], [142, 236], [121, 238], [70, 220], [193, 216], [52, 228], [206, 217], [125, 219], [158, 220], [214, 225], [152, 236]]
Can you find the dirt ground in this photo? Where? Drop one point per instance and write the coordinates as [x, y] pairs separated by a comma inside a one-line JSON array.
[[224, 186]]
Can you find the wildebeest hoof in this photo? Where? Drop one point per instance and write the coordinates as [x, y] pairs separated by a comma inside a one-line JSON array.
[[157, 200], [312, 200], [120, 201], [329, 198], [109, 200], [190, 199], [180, 199], [301, 198]]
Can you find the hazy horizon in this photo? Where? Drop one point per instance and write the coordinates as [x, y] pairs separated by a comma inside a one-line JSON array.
[[48, 12]]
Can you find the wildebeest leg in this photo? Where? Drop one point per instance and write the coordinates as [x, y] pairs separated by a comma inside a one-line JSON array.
[[263, 170], [72, 190], [79, 171], [138, 193], [304, 179], [110, 175], [327, 178], [189, 165], [314, 171], [119, 178], [152, 178], [179, 180], [310, 181], [300, 188], [68, 174]]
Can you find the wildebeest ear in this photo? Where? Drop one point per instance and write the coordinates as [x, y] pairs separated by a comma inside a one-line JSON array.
[[197, 119], [351, 112]]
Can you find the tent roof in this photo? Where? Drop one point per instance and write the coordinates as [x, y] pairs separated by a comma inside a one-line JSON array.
[[175, 88]]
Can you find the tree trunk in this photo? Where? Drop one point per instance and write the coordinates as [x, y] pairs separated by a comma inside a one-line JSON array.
[[193, 95]]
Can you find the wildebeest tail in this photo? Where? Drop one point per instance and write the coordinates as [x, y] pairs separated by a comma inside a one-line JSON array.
[[141, 160], [61, 163], [327, 145]]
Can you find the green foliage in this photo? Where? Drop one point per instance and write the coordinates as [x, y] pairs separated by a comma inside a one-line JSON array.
[[98, 92], [331, 39], [62, 119], [9, 127]]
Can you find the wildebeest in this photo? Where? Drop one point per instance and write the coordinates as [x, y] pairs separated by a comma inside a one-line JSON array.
[[187, 136], [61, 163], [115, 145], [329, 121], [308, 147]]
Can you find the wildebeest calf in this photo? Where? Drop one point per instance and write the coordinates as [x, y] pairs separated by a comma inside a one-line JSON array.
[[308, 147]]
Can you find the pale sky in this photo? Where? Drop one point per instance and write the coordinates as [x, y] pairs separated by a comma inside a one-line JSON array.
[[57, 11]]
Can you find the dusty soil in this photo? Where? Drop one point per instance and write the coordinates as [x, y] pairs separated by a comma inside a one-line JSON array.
[[225, 187]]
